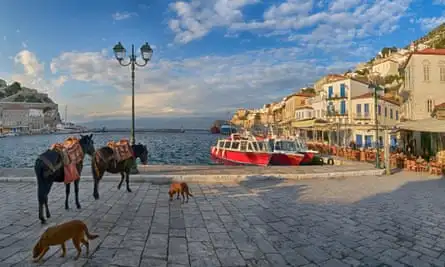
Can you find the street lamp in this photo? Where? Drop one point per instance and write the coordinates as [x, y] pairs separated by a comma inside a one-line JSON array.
[[146, 54], [376, 88]]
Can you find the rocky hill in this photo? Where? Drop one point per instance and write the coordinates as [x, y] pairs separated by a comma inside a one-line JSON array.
[[435, 38], [17, 93]]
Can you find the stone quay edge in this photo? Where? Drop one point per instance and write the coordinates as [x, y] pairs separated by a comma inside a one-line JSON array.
[[212, 173]]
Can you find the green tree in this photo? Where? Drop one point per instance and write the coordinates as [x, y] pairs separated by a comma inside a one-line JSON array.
[[13, 89]]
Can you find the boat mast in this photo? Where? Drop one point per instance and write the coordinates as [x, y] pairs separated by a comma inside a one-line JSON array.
[[66, 113]]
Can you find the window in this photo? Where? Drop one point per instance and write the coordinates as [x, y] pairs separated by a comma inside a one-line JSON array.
[[386, 112], [343, 107], [358, 108], [407, 78], [442, 74], [379, 110], [390, 114], [397, 115], [330, 91], [342, 90], [426, 72], [366, 108], [429, 105]]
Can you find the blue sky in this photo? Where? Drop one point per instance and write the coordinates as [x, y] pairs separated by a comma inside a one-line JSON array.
[[210, 56]]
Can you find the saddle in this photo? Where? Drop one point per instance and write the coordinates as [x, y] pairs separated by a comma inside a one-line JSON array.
[[121, 149], [71, 152]]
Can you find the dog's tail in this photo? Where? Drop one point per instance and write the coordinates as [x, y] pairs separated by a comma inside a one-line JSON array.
[[89, 235]]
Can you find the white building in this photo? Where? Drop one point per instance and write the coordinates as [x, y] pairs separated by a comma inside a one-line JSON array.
[[319, 105], [364, 117], [424, 85], [22, 116], [304, 113], [386, 67], [338, 96]]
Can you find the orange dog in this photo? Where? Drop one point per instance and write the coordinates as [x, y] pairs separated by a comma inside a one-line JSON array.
[[59, 234], [179, 188]]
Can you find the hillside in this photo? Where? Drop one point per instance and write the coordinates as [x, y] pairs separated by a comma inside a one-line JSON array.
[[17, 93], [435, 38]]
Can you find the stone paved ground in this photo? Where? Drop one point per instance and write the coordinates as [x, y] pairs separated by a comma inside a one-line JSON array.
[[361, 221]]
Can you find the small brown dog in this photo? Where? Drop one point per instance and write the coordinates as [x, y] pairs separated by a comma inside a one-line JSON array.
[[59, 234], [182, 188]]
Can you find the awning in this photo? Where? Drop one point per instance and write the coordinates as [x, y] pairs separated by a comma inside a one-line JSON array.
[[431, 125], [308, 124]]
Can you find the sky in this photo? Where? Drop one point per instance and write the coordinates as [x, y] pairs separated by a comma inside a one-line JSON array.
[[210, 56]]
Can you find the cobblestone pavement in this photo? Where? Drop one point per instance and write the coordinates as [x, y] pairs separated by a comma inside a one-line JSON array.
[[360, 221]]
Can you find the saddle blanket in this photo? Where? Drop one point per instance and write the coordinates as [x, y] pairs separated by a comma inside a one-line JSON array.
[[72, 154], [121, 149]]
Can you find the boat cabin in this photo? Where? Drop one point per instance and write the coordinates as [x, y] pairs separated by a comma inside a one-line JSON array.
[[280, 145], [242, 144]]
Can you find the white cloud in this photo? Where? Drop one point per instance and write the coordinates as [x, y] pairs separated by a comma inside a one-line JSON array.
[[24, 45], [342, 20], [33, 73], [189, 86], [123, 15], [196, 18], [31, 65], [430, 23]]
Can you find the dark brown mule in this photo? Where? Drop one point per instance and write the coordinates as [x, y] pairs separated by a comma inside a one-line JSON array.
[[46, 175], [107, 163]]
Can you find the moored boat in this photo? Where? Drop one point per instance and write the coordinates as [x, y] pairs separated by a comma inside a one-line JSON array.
[[241, 150], [285, 152], [308, 153]]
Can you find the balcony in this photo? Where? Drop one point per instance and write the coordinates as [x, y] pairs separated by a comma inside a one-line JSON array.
[[362, 116], [335, 97], [336, 114]]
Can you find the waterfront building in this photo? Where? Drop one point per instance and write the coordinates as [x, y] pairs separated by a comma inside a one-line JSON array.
[[292, 103], [364, 118], [23, 117], [424, 83]]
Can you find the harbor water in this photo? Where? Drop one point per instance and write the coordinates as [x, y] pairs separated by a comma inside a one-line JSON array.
[[189, 148]]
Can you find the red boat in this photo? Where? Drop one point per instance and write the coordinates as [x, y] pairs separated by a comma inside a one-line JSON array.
[[241, 150], [285, 152], [215, 129], [308, 154], [252, 151]]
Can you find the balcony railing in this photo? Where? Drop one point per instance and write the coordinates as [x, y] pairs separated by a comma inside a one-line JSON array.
[[336, 114], [362, 116], [333, 97]]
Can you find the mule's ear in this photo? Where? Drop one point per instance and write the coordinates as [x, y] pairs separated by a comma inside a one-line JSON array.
[[91, 136]]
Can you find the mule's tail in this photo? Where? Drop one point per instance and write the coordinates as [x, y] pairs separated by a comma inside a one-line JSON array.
[[190, 192], [89, 235]]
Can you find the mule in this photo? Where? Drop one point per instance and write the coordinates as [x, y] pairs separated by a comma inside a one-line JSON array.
[[47, 175], [106, 162]]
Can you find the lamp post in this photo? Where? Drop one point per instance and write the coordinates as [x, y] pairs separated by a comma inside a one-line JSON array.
[[146, 53], [376, 88]]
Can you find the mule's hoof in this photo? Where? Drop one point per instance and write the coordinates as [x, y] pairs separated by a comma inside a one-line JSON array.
[[78, 206], [129, 190], [96, 196], [67, 207], [42, 221], [48, 215], [118, 187]]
